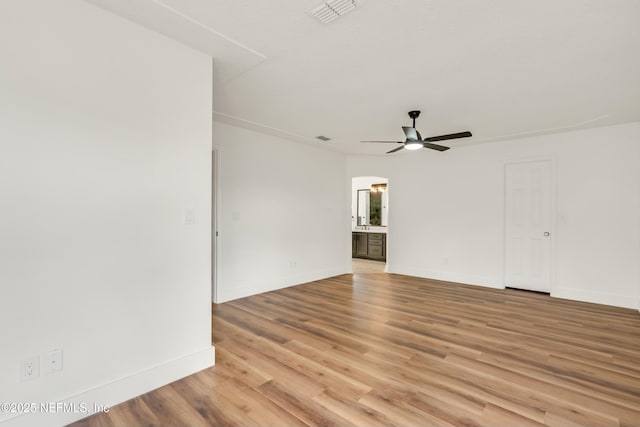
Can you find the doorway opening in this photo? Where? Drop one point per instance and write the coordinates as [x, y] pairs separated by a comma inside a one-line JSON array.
[[369, 224]]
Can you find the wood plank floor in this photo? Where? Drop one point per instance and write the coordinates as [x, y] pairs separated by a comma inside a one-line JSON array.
[[367, 266], [391, 350]]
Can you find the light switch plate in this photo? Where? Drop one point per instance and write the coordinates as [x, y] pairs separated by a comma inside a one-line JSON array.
[[189, 216]]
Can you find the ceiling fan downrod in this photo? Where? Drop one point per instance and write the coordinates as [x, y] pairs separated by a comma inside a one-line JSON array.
[[414, 114]]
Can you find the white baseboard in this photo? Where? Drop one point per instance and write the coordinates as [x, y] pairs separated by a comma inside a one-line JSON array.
[[108, 395], [465, 279], [594, 297], [267, 285], [565, 293]]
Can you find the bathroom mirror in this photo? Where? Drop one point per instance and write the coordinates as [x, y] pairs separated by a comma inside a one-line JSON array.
[[363, 207], [369, 207]]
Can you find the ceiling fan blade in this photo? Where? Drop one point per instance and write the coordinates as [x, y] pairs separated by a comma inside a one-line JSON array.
[[395, 149], [449, 136], [386, 142], [435, 146], [411, 133]]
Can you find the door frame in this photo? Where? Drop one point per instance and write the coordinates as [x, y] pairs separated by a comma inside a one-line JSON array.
[[350, 178], [214, 224], [552, 215]]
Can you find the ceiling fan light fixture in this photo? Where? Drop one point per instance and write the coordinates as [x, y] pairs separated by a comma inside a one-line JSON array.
[[413, 139], [413, 145]]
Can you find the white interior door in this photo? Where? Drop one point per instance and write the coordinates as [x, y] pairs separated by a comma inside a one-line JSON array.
[[528, 225]]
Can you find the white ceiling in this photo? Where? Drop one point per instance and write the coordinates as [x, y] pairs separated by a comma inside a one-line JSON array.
[[498, 68]]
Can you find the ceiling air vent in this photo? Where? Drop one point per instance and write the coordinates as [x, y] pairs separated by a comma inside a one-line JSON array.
[[332, 9]]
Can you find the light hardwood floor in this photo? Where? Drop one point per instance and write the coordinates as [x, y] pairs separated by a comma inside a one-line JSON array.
[[391, 350], [367, 266]]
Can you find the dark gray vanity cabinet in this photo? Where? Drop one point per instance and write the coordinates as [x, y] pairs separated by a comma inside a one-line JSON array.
[[360, 248], [369, 245]]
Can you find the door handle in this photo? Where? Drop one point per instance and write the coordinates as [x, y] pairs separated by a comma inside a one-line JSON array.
[[547, 234]]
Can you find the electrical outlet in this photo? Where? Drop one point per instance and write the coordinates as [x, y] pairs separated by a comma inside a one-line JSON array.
[[53, 361], [30, 368]]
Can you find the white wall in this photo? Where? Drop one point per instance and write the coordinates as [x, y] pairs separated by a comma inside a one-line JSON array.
[[447, 217], [283, 213], [105, 139]]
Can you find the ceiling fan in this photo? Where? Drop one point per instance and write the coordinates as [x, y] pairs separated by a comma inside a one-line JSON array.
[[414, 141]]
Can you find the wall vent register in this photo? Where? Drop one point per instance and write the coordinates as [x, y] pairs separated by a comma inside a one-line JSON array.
[[333, 9]]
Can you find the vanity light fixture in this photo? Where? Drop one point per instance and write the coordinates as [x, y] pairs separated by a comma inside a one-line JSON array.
[[378, 188]]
